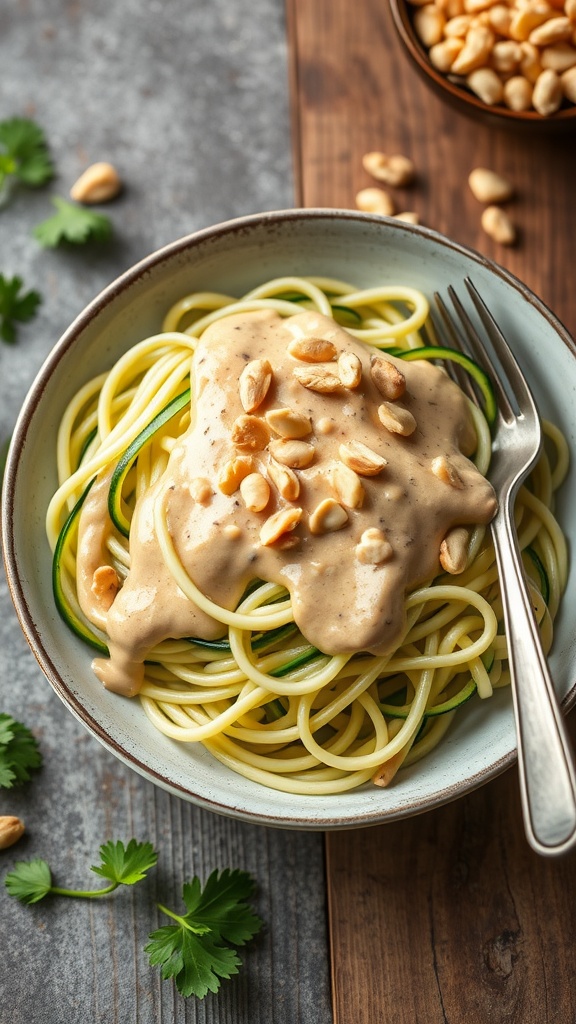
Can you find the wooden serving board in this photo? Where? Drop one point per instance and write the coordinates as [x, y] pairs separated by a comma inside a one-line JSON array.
[[448, 918]]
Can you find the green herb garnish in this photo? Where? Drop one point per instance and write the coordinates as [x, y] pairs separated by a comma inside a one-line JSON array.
[[24, 155], [31, 881], [196, 950], [72, 223], [19, 753], [15, 307]]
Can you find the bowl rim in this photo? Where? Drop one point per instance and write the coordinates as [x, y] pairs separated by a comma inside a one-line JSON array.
[[447, 792], [401, 17]]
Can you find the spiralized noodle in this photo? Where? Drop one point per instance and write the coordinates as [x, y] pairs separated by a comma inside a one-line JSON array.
[[262, 700]]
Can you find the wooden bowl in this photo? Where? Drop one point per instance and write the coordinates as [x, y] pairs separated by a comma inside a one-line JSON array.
[[461, 98]]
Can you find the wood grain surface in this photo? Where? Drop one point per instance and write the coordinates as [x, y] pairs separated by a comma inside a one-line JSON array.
[[190, 101], [448, 918]]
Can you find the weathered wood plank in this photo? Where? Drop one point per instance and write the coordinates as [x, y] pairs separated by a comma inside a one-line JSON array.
[[448, 917]]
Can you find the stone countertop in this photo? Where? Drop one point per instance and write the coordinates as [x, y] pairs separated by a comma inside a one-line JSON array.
[[190, 102]]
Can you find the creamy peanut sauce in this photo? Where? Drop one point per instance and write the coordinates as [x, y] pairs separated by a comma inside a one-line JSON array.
[[347, 592]]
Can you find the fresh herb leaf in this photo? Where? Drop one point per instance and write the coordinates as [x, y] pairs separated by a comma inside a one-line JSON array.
[[23, 152], [192, 951], [19, 753], [15, 306], [126, 866], [31, 881], [72, 223]]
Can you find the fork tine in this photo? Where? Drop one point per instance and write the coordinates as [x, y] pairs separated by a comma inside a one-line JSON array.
[[519, 392], [457, 342], [488, 361]]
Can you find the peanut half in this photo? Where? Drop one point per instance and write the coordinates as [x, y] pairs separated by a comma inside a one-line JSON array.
[[255, 491], [498, 225], [396, 170], [254, 383], [312, 350], [489, 187], [98, 184], [327, 517], [11, 829], [292, 453], [389, 380], [362, 459], [375, 200], [278, 524], [373, 548]]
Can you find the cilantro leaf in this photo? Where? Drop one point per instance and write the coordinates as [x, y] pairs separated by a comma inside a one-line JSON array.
[[192, 950], [30, 881], [14, 306], [197, 964], [24, 152], [72, 223], [19, 752], [220, 905], [126, 866]]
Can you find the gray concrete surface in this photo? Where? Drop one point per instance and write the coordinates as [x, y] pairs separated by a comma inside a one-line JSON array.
[[190, 102]]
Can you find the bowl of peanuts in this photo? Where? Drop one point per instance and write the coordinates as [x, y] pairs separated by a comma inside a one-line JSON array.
[[507, 62]]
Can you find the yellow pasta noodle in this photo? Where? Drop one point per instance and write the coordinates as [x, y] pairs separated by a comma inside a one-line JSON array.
[[259, 695]]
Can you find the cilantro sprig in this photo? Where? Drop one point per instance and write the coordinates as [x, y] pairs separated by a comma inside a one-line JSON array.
[[31, 881], [15, 306], [72, 223], [199, 950], [24, 155], [19, 753], [196, 950]]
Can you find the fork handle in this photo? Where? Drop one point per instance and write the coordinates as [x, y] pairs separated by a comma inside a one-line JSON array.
[[545, 761]]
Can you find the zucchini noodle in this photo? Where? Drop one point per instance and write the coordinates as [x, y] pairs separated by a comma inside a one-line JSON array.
[[262, 699]]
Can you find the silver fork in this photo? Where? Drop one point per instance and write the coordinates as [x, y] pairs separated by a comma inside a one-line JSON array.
[[545, 761]]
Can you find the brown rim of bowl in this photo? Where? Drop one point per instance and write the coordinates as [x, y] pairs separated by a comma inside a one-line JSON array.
[[461, 95], [445, 794]]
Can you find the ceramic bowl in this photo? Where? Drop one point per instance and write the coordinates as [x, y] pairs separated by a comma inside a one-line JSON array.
[[233, 257], [455, 93]]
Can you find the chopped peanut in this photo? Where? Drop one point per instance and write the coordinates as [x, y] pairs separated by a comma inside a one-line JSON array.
[[312, 350], [281, 522], [389, 380], [362, 459], [255, 491], [327, 517], [349, 369], [288, 423], [292, 453], [254, 383], [250, 433], [318, 378]]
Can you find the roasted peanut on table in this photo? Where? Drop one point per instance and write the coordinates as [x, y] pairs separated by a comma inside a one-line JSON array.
[[98, 184], [11, 829], [515, 53], [498, 225]]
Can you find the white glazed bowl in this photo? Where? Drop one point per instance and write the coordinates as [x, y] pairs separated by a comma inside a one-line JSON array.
[[234, 257]]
